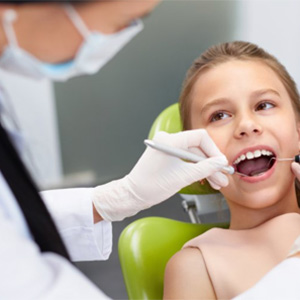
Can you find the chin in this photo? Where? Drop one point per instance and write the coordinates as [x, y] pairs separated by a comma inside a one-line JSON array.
[[260, 197], [264, 190]]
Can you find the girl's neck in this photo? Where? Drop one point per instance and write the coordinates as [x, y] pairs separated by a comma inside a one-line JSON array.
[[247, 218]]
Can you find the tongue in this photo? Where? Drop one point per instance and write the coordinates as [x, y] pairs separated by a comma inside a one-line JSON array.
[[254, 166]]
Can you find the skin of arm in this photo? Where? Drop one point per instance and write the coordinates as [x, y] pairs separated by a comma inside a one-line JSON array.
[[45, 31], [186, 277], [96, 215]]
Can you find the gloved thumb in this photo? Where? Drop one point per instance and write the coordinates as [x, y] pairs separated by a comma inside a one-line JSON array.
[[218, 180]]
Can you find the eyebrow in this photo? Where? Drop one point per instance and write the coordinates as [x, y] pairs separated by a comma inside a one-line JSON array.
[[219, 101], [264, 91], [223, 101]]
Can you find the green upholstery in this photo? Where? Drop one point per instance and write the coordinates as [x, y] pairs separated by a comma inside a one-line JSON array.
[[146, 245], [169, 121]]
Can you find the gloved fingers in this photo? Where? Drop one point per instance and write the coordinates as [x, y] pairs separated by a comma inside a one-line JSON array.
[[197, 151], [178, 139], [205, 168], [296, 170], [218, 180], [201, 139], [190, 139], [216, 162], [164, 137], [213, 185]]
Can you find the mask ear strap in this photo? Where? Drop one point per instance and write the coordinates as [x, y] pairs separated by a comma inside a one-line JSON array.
[[9, 17], [77, 20]]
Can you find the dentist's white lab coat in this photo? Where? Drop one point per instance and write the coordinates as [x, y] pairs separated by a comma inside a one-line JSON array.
[[26, 273]]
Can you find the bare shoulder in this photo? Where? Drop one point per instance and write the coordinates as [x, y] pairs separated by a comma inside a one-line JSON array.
[[186, 276]]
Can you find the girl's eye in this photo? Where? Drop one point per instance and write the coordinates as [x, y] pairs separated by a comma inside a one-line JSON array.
[[264, 106], [220, 115]]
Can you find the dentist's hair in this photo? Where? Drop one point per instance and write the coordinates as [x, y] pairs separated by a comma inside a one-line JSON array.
[[225, 52], [230, 51]]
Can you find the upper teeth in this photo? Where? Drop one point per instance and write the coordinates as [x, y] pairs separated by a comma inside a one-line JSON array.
[[251, 155]]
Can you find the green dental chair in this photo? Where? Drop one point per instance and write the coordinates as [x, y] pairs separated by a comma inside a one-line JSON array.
[[146, 245]]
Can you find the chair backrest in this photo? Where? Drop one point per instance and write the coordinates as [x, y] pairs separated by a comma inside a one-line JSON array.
[[146, 245]]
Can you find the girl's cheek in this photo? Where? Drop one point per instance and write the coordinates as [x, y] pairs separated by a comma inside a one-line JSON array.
[[219, 139]]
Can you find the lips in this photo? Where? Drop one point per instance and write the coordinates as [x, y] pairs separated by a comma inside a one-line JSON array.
[[255, 161]]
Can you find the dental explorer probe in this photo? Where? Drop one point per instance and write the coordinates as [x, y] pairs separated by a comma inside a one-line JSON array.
[[296, 158], [183, 154]]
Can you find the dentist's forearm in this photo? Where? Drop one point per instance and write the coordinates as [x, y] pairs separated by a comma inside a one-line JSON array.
[[97, 217]]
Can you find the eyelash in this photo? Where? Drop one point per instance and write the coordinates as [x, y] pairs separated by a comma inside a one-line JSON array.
[[214, 115], [265, 102], [221, 112]]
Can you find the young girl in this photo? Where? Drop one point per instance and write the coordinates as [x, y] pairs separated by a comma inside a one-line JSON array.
[[249, 105]]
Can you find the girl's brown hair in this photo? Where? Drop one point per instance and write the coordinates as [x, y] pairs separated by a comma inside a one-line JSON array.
[[225, 52]]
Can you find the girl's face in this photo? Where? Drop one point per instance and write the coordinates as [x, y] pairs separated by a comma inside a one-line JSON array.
[[248, 113]]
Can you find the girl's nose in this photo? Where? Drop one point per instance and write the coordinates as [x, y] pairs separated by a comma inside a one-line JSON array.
[[247, 126]]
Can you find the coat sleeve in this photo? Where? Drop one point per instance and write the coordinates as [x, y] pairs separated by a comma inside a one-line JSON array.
[[72, 212], [26, 273]]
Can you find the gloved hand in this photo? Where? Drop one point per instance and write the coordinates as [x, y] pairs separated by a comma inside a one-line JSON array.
[[157, 176], [296, 169]]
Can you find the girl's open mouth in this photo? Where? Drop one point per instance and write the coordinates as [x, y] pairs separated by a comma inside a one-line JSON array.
[[255, 163]]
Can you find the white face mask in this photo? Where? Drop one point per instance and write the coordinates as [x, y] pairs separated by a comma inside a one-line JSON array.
[[96, 50]]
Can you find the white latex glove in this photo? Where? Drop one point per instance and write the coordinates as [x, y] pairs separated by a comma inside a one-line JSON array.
[[157, 176], [296, 170]]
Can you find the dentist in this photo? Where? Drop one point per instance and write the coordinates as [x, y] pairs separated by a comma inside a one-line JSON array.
[[42, 232]]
